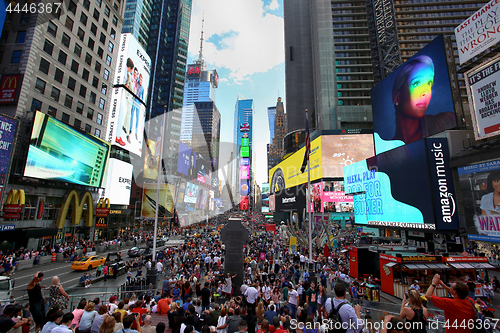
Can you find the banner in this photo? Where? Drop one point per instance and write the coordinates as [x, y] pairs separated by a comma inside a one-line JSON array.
[[9, 85], [8, 128], [165, 203]]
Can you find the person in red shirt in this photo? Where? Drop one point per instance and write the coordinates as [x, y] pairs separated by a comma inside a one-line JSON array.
[[459, 312], [138, 308], [164, 304]]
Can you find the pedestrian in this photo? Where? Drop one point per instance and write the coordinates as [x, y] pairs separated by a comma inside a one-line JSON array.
[[36, 301], [58, 297]]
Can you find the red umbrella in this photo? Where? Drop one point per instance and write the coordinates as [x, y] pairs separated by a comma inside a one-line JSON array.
[[326, 251]]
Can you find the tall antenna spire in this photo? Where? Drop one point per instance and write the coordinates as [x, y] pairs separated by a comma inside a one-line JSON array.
[[200, 59]]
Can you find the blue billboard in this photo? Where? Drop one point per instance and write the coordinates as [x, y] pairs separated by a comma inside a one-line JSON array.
[[187, 162], [8, 128], [407, 187]]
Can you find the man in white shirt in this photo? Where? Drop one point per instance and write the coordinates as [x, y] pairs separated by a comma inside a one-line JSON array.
[[159, 268], [302, 261], [415, 286], [64, 326], [293, 301], [251, 296], [350, 316], [148, 264]]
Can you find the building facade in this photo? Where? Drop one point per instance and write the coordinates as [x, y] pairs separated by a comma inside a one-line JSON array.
[[276, 146], [271, 114]]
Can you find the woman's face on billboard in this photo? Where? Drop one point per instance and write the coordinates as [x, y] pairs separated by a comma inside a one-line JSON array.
[[496, 185], [416, 93]]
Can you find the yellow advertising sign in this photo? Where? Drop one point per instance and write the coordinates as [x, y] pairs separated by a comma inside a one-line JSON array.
[[165, 204], [293, 244], [16, 197], [73, 198]]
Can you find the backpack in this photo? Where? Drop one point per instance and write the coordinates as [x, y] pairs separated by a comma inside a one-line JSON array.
[[335, 323]]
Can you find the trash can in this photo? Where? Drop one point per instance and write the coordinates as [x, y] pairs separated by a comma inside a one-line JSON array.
[[151, 277]]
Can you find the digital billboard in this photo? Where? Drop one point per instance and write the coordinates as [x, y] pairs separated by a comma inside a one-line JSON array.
[[191, 193], [482, 89], [202, 169], [329, 155], [414, 101], [58, 152], [244, 203], [244, 187], [199, 198], [118, 182], [408, 187], [480, 185], [329, 197], [187, 162], [151, 160], [293, 198], [244, 161], [245, 152], [126, 121], [245, 172], [211, 202], [8, 128], [133, 67], [479, 32], [165, 202]]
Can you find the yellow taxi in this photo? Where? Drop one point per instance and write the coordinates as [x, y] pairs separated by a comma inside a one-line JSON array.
[[86, 263]]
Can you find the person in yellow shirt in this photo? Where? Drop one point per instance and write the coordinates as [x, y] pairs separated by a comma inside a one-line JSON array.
[[120, 310]]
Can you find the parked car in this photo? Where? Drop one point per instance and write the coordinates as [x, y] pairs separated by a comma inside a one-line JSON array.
[[139, 251], [159, 242], [86, 263]]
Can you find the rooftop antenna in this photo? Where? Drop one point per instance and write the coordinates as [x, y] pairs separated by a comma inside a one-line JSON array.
[[200, 59]]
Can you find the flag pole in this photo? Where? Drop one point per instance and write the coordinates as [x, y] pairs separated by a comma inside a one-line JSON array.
[[160, 167], [309, 206]]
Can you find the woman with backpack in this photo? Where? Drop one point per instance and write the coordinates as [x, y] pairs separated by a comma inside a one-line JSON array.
[[415, 312]]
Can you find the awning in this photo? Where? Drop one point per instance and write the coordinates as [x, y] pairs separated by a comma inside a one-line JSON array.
[[457, 266], [483, 265], [344, 251], [40, 232], [413, 267], [391, 264], [437, 266], [468, 266]]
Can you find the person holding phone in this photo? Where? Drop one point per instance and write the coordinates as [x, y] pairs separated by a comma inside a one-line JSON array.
[[36, 301], [415, 312], [65, 324]]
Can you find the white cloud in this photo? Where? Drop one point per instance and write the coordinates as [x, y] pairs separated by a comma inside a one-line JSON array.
[[248, 40], [274, 5]]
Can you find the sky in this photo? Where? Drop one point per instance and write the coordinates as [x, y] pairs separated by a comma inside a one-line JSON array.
[[244, 42]]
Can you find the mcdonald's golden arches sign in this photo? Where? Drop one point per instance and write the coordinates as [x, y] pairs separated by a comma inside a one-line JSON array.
[[72, 198], [14, 204], [9, 85], [101, 213]]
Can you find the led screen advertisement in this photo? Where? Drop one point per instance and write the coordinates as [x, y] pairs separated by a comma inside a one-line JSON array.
[[165, 202], [329, 197], [244, 187], [244, 203], [244, 172], [133, 67], [119, 182], [408, 187], [8, 128], [329, 155], [126, 121], [58, 152], [483, 85], [187, 162], [480, 185], [293, 198], [202, 170], [414, 101], [191, 193]]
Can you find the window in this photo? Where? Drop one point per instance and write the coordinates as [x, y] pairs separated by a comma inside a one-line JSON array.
[[106, 74], [71, 83], [79, 107], [25, 18], [21, 36], [92, 97], [52, 28], [115, 21], [77, 124], [88, 128], [91, 44], [78, 50], [66, 40], [69, 23], [36, 105], [100, 52], [83, 18], [96, 14], [16, 57], [48, 47], [58, 76], [44, 66], [108, 60], [52, 111], [62, 57], [72, 7], [86, 4], [97, 67], [110, 47], [98, 3], [104, 88], [88, 59], [102, 103], [104, 24], [93, 29], [55, 94], [85, 74], [107, 11], [65, 118], [90, 113], [40, 85], [80, 34], [68, 101], [98, 132], [95, 82], [74, 66], [83, 91], [103, 38], [99, 119], [113, 33]]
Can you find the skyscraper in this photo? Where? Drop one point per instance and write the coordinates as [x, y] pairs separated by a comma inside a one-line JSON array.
[[137, 19], [271, 113], [276, 145]]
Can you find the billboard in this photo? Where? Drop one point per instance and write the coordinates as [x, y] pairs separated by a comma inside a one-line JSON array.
[[329, 155], [480, 185], [126, 121], [482, 88], [244, 161], [244, 187], [329, 197], [291, 199], [194, 70], [118, 182], [133, 67], [212, 200], [408, 187], [244, 127], [8, 128], [191, 193], [414, 101], [58, 152], [165, 202], [9, 87], [244, 203], [202, 170], [245, 152], [199, 199], [187, 162], [151, 160], [245, 172], [479, 32], [265, 191]]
